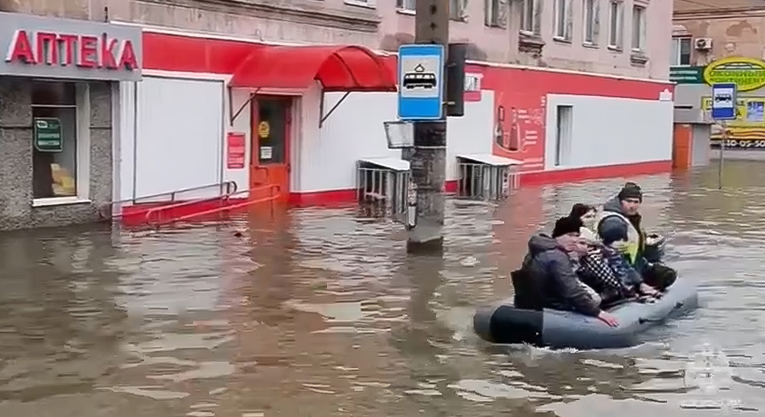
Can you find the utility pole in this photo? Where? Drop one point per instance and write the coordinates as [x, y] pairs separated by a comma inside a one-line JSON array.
[[428, 160]]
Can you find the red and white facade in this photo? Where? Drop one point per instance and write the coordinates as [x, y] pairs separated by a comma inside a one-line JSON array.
[[202, 96]]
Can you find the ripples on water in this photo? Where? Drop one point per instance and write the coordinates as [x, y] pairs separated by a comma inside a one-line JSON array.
[[320, 313]]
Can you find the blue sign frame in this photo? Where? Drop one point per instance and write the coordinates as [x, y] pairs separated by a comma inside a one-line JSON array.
[[724, 101], [420, 82]]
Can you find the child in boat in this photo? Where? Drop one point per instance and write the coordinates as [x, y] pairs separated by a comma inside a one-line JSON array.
[[604, 266], [613, 242]]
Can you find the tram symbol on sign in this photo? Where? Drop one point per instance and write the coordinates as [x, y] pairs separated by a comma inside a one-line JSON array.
[[419, 78], [724, 99]]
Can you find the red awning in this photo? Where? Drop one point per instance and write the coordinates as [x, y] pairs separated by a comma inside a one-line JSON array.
[[338, 68]]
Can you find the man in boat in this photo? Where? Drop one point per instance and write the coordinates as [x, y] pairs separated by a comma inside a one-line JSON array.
[[622, 212], [551, 266]]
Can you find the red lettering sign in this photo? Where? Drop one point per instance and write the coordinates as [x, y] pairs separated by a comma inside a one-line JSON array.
[[236, 151], [64, 49]]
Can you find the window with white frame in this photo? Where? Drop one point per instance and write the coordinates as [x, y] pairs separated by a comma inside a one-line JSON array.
[[457, 9], [590, 14], [638, 28], [369, 3], [527, 16], [60, 141], [408, 5], [491, 13], [681, 51], [562, 19], [615, 24]]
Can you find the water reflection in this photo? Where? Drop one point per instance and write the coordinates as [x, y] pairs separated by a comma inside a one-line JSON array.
[[320, 313]]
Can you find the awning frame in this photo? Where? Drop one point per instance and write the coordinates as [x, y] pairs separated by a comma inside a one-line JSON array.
[[324, 117], [232, 115], [381, 79]]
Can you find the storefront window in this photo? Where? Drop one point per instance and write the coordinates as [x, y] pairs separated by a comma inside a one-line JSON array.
[[54, 139]]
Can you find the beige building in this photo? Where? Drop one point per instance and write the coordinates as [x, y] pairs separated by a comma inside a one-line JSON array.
[[720, 41], [624, 37], [706, 30]]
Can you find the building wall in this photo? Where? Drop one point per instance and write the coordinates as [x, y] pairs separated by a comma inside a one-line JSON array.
[[602, 59], [385, 27], [502, 119], [733, 32], [355, 131], [16, 210], [598, 136], [171, 126]]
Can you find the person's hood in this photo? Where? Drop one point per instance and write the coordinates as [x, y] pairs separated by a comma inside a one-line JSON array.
[[541, 243], [614, 205]]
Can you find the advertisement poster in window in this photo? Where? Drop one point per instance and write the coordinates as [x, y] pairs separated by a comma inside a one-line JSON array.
[[748, 130], [236, 151], [48, 135]]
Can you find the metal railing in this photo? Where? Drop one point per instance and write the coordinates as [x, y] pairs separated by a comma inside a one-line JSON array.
[[383, 192], [105, 211], [486, 182], [226, 205]]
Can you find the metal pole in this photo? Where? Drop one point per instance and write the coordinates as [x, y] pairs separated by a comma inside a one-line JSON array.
[[722, 154], [428, 160]]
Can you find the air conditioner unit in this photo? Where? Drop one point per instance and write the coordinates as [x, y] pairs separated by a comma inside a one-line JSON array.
[[703, 44]]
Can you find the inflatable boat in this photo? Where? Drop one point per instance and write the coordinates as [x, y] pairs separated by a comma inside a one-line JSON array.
[[502, 323]]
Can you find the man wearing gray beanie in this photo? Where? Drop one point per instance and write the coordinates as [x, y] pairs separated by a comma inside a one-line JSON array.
[[622, 212]]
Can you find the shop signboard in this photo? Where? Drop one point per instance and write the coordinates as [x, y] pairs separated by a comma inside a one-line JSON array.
[[687, 75], [38, 46], [748, 74], [47, 134]]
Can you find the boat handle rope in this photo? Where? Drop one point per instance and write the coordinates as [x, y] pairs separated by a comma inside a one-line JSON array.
[[677, 306]]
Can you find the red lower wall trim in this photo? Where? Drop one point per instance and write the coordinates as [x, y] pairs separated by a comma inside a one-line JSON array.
[[137, 214], [338, 198], [593, 173]]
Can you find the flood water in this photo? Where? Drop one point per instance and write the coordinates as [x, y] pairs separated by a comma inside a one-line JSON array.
[[320, 313]]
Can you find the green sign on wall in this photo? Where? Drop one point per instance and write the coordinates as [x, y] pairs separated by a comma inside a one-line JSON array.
[[687, 75], [48, 136]]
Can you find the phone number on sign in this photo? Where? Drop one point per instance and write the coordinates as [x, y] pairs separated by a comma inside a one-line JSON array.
[[732, 143]]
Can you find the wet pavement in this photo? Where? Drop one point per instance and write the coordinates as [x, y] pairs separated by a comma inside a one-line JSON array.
[[320, 313]]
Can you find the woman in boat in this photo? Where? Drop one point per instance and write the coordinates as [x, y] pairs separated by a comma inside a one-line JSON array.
[[589, 216]]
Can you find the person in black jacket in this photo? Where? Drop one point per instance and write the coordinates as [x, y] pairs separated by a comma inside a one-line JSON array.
[[550, 264]]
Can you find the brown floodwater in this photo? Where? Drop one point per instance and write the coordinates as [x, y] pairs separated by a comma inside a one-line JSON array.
[[319, 312]]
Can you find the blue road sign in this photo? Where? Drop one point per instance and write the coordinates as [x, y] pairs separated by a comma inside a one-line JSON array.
[[724, 101], [420, 82]]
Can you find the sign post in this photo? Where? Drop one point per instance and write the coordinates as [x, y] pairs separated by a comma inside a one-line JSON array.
[[724, 107], [420, 77], [422, 86]]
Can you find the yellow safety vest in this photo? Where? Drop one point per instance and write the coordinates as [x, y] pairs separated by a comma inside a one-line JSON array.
[[632, 248]]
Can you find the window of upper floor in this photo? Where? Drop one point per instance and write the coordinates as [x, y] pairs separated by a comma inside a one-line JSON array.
[[590, 13], [528, 17], [562, 20], [457, 8], [495, 13], [364, 3], [639, 13], [615, 24], [406, 5], [681, 51]]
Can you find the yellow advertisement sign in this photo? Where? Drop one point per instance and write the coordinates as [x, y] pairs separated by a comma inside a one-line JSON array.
[[264, 129], [748, 130], [747, 73]]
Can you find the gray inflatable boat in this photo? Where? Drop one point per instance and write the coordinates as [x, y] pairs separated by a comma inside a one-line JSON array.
[[503, 323]]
